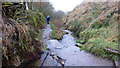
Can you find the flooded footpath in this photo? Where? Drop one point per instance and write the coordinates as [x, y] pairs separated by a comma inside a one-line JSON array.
[[66, 50]]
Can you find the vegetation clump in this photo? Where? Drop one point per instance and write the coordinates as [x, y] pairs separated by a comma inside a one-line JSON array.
[[56, 33]]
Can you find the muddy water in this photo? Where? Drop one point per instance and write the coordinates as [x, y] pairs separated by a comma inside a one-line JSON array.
[[67, 50]]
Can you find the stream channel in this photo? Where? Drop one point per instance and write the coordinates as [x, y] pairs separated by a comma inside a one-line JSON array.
[[70, 54]]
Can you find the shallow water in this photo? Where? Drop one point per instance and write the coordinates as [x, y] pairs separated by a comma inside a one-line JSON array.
[[67, 50]]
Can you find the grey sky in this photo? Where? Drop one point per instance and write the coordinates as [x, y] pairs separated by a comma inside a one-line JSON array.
[[65, 5]]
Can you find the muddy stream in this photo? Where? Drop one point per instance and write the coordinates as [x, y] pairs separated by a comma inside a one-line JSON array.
[[67, 50]]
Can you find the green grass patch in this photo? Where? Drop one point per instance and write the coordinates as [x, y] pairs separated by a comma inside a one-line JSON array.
[[53, 34], [53, 26], [80, 41], [96, 46]]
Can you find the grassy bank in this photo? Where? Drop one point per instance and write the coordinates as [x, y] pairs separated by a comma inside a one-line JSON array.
[[22, 32], [97, 25]]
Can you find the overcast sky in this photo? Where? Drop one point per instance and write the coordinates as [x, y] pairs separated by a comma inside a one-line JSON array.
[[65, 5]]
